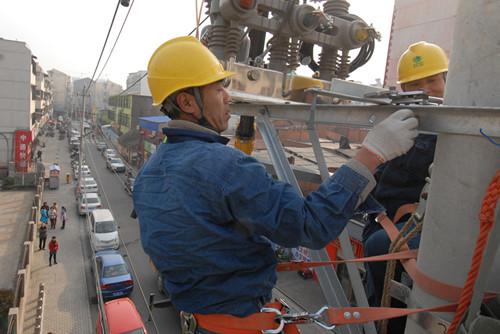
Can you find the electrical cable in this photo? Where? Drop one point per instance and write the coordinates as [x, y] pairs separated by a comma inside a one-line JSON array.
[[103, 47], [206, 18], [116, 40]]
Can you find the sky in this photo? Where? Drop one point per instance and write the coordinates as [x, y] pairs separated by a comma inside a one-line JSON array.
[[68, 35]]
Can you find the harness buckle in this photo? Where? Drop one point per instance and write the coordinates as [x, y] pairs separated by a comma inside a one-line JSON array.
[[297, 318], [278, 317]]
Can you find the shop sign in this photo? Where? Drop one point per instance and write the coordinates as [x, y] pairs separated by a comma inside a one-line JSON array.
[[22, 149]]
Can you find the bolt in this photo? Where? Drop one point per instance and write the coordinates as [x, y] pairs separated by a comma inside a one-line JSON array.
[[253, 75], [356, 315], [347, 315]]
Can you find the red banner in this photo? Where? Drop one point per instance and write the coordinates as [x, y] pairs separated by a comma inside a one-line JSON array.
[[22, 150]]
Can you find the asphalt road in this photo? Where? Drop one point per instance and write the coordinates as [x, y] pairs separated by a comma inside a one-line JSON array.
[[115, 198]]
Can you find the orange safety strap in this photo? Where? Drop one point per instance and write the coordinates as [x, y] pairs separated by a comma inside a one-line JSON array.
[[258, 322], [403, 255], [359, 315], [252, 324], [404, 210], [428, 284]]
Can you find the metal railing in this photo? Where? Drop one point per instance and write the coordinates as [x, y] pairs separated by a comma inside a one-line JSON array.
[[16, 312]]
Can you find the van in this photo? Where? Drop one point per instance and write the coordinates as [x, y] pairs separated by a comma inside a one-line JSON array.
[[104, 230]]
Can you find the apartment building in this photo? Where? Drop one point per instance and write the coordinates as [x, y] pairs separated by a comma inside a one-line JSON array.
[[62, 90], [25, 103], [137, 84]]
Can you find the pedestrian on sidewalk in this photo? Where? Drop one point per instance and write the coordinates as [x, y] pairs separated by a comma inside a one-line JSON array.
[[42, 235], [53, 248], [53, 216], [44, 216], [63, 217], [44, 206], [39, 155]]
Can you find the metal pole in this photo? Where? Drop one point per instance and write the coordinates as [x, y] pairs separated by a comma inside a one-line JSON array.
[[463, 165], [80, 158], [328, 280], [151, 304]]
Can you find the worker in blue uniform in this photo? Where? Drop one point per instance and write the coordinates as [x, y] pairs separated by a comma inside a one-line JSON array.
[[423, 66], [208, 212]]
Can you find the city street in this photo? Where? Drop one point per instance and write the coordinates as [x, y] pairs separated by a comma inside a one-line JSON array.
[[115, 198]]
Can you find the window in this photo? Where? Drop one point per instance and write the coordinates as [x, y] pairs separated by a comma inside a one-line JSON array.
[[115, 270], [124, 119], [105, 227]]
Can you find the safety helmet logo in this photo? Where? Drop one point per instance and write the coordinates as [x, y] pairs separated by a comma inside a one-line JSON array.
[[418, 61]]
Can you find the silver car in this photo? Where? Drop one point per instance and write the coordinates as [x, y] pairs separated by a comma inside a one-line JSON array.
[[88, 202]]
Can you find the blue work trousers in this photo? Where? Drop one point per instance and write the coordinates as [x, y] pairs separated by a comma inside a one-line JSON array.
[[378, 243]]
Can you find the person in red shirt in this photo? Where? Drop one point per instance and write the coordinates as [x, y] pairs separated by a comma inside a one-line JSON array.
[[53, 248]]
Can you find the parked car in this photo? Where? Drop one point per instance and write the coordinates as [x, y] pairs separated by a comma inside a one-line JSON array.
[[122, 317], [87, 185], [115, 164], [101, 146], [129, 184], [85, 171], [104, 230], [108, 153], [115, 279], [88, 202]]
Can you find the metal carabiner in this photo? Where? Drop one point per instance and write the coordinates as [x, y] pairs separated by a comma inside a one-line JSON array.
[[279, 329], [317, 316]]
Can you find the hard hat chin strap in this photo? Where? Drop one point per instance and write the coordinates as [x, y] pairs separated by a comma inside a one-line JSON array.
[[202, 120]]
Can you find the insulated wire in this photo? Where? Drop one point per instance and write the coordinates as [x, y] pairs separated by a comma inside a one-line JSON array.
[[103, 47], [116, 40]]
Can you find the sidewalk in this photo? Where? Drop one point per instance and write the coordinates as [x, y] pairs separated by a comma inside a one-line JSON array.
[[67, 305], [16, 208]]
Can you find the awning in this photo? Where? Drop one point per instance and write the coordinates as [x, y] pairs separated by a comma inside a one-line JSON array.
[[153, 123], [130, 139]]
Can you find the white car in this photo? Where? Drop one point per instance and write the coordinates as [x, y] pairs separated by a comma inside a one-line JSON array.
[[88, 202], [109, 152], [115, 164], [87, 185], [104, 230], [85, 172]]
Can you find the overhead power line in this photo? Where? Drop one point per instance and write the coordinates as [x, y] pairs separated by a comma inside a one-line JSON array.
[[116, 40], [104, 46]]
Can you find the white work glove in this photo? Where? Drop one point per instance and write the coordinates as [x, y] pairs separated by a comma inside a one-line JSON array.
[[394, 136]]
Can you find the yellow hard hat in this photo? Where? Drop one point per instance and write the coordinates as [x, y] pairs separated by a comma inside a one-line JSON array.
[[180, 63], [421, 60], [300, 82]]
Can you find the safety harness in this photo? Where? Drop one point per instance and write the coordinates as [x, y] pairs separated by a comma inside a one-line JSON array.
[[276, 318]]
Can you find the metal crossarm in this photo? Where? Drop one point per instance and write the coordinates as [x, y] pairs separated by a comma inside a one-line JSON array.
[[433, 119]]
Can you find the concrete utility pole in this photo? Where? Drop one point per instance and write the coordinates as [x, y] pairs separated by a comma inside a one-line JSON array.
[[80, 156], [463, 165]]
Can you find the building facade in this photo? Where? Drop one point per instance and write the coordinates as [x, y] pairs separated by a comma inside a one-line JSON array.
[[104, 89], [79, 86], [62, 91], [25, 103], [123, 117], [419, 20], [137, 84]]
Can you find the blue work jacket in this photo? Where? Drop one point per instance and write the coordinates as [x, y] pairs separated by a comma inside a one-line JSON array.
[[208, 212], [401, 180]]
